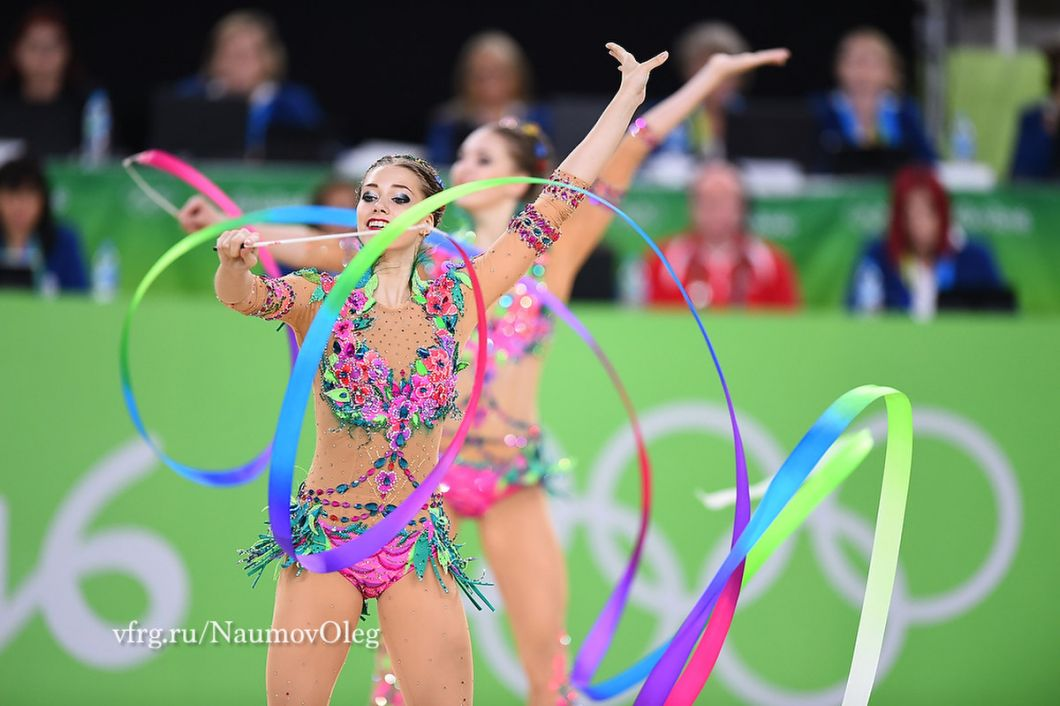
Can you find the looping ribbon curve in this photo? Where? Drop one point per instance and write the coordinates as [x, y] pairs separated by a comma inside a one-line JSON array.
[[668, 674]]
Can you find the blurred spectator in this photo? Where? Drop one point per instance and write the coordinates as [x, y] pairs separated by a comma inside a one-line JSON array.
[[37, 251], [923, 256], [247, 59], [703, 133], [719, 262], [1037, 153], [337, 193], [42, 93], [493, 80], [866, 125]]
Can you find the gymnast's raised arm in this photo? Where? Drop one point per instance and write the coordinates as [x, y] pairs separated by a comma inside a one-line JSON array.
[[584, 230], [538, 225]]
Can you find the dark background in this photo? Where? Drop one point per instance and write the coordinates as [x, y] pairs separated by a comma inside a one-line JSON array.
[[379, 67]]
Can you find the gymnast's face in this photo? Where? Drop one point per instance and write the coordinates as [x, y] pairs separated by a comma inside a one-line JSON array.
[[387, 192], [485, 155]]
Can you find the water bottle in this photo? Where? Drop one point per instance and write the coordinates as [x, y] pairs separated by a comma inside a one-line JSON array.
[[105, 272], [48, 286], [868, 291], [632, 290], [95, 144], [962, 146]]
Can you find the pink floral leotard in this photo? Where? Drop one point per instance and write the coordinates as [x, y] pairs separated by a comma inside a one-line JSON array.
[[503, 452], [385, 386]]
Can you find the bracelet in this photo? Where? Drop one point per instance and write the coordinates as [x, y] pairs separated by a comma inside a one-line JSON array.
[[606, 191], [534, 229], [569, 197], [641, 129], [279, 299]]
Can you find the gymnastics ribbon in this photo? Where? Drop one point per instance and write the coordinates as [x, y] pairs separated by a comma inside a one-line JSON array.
[[563, 312], [711, 617], [666, 684], [176, 167], [253, 468], [167, 163], [291, 411], [603, 630]]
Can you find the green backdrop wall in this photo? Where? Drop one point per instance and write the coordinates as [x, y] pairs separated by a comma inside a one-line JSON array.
[[95, 533], [823, 229]]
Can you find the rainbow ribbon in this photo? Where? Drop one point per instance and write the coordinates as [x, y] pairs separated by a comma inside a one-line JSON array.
[[253, 468], [176, 167], [710, 619], [791, 498], [296, 397], [167, 163]]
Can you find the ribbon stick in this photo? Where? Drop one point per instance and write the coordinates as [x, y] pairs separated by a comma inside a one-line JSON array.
[[178, 168]]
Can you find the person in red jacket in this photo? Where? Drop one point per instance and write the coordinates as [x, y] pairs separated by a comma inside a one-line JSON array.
[[719, 261]]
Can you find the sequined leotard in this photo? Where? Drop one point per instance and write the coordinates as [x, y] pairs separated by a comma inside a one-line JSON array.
[[386, 383], [503, 451]]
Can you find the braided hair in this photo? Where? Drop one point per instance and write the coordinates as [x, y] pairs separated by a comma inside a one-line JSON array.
[[529, 148]]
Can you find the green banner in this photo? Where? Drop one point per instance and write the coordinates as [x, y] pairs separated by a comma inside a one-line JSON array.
[[95, 533], [823, 230]]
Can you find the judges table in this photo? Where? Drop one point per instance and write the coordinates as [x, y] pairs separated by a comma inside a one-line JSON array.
[[823, 228]]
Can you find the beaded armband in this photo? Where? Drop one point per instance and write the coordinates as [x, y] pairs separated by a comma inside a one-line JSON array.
[[279, 299], [565, 199], [642, 130], [534, 229], [606, 191]]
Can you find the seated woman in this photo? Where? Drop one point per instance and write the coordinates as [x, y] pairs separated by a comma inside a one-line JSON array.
[[1037, 154], [702, 134], [923, 254], [34, 249], [247, 59], [42, 91], [493, 81], [866, 124]]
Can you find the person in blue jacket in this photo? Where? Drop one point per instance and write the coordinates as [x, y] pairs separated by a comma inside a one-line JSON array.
[[493, 80], [1037, 153], [922, 254], [30, 237], [247, 59], [867, 111]]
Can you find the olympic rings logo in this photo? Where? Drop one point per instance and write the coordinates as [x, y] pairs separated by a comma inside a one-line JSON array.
[[664, 591], [67, 556]]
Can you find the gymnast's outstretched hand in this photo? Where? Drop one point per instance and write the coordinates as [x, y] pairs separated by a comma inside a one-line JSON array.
[[721, 66], [635, 74]]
